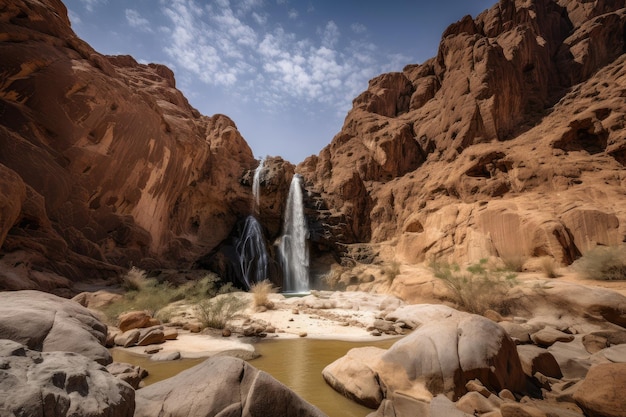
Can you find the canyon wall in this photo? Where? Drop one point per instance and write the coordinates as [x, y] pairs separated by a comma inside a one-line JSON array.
[[103, 162], [511, 142]]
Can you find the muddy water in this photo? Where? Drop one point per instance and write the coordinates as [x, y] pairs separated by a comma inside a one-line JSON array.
[[297, 363]]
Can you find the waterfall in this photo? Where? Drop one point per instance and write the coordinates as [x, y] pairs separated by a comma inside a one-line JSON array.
[[256, 185], [253, 257], [293, 246]]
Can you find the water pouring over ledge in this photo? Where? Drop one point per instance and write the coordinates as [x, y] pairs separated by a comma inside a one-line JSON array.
[[293, 249]]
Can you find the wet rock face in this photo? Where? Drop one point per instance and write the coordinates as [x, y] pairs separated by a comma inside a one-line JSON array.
[[108, 162], [522, 105]]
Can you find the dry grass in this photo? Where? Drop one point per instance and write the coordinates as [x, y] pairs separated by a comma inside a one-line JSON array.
[[391, 271], [479, 287], [260, 294], [606, 263], [514, 263], [217, 312], [549, 266]]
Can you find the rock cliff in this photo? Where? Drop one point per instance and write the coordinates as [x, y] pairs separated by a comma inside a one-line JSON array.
[[510, 142], [103, 162]]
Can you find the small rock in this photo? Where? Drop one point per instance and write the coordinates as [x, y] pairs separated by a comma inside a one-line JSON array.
[[535, 359], [295, 311], [170, 333], [505, 394], [165, 356], [133, 320], [152, 350], [517, 332], [226, 333], [549, 336], [375, 333], [128, 338], [595, 343], [615, 354], [193, 327], [474, 403], [476, 386], [493, 316], [302, 334]]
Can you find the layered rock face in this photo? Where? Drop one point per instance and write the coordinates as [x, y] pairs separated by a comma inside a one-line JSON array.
[[104, 163], [510, 142]]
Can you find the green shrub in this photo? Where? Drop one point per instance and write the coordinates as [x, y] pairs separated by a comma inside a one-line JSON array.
[[218, 311], [147, 294], [607, 263], [260, 294], [479, 287]]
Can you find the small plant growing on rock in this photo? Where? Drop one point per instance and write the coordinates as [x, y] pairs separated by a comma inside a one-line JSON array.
[[479, 287], [260, 294], [607, 263], [218, 311]]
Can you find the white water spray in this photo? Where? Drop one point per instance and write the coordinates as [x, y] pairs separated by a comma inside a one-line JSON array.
[[293, 246], [256, 185], [253, 257]]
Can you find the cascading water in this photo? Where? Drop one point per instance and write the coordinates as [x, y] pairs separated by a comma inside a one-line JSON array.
[[253, 257], [293, 246], [256, 185]]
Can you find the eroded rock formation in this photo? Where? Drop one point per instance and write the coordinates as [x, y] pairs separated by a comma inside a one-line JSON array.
[[104, 163], [510, 142]]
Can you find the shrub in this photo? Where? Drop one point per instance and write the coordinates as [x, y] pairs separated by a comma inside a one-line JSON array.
[[607, 263], [479, 288], [549, 267], [134, 279], [514, 263], [260, 294], [218, 311]]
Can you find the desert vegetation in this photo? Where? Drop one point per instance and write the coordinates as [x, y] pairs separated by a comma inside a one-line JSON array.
[[606, 263], [477, 288], [218, 311], [260, 295]]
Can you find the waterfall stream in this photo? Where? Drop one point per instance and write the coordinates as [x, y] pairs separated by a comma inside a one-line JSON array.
[[293, 246]]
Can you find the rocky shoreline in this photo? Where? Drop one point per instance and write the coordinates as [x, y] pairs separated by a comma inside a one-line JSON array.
[[566, 360]]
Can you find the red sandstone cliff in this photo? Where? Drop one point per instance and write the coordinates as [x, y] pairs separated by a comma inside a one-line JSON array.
[[103, 162], [510, 142]]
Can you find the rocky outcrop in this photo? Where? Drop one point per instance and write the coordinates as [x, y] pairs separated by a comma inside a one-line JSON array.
[[221, 386], [448, 349], [515, 128], [47, 323], [104, 162], [59, 384], [601, 394]]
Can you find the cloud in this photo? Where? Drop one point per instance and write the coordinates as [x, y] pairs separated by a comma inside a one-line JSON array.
[[293, 14], [135, 20], [74, 17], [90, 5], [231, 43], [358, 28]]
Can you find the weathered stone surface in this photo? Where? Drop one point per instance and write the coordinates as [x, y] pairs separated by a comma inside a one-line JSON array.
[[128, 338], [104, 161], [151, 335], [535, 359], [518, 332], [221, 386], [48, 323], [133, 320], [446, 351], [474, 403], [549, 336], [59, 384], [128, 373], [434, 161], [602, 391], [165, 356]]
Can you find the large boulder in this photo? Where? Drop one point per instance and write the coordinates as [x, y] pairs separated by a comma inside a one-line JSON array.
[[221, 386], [59, 384], [602, 392], [48, 323], [446, 351]]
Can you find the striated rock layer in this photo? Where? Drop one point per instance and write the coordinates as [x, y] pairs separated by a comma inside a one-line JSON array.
[[510, 142], [103, 162]]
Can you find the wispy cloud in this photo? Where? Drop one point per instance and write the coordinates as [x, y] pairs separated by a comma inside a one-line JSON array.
[[135, 20], [234, 44], [358, 28], [90, 5]]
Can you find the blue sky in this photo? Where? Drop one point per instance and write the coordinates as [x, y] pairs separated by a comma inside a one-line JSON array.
[[285, 71]]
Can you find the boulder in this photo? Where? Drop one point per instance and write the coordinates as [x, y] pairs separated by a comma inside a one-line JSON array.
[[48, 323], [446, 351], [133, 320], [128, 338], [602, 392], [151, 335], [59, 384], [222, 386], [535, 359], [131, 374], [549, 336]]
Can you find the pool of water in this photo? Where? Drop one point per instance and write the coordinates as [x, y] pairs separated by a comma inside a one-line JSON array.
[[297, 363]]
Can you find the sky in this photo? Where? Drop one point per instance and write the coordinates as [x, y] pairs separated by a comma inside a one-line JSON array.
[[285, 71]]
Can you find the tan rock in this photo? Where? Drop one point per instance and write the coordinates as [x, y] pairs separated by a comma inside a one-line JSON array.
[[151, 335], [520, 410], [535, 359], [549, 336], [128, 338], [133, 320], [602, 391]]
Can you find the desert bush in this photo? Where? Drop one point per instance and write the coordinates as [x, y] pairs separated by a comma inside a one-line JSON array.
[[218, 311], [391, 271], [479, 287], [147, 294], [260, 294], [549, 266], [514, 263], [607, 263]]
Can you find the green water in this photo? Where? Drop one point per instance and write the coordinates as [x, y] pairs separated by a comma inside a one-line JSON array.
[[297, 363]]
